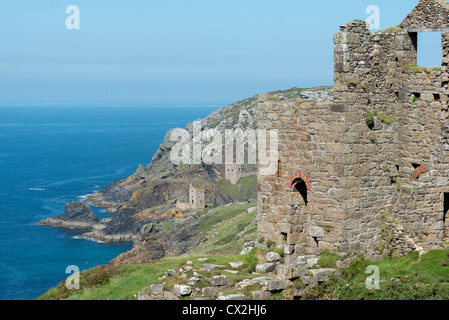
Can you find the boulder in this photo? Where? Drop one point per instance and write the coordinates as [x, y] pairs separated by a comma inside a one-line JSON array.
[[266, 267], [261, 295], [142, 295], [210, 292], [310, 259], [219, 280], [272, 257], [238, 296], [290, 271], [277, 285], [182, 290], [212, 267], [170, 296], [170, 272], [157, 289], [322, 275], [236, 264]]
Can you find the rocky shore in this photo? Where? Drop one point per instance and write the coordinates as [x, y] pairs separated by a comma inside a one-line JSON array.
[[77, 215]]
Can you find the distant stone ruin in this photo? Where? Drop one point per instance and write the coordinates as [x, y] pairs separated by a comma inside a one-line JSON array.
[[233, 172], [368, 171], [196, 199]]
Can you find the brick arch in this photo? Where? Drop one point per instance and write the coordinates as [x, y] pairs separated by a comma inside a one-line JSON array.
[[298, 174], [418, 171]]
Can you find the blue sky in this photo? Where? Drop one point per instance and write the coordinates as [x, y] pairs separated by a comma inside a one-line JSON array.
[[183, 51]]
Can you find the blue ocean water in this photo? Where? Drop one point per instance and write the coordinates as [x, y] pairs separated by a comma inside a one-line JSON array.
[[51, 154]]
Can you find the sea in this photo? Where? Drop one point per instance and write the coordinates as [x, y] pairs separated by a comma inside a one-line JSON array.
[[52, 153]]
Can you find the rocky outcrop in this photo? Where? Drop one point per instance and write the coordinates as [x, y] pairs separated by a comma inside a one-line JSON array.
[[77, 215], [155, 243]]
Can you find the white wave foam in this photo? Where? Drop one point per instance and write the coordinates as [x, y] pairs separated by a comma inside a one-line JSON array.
[[36, 189], [88, 239]]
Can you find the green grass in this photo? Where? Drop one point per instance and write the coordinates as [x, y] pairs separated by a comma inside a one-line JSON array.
[[391, 30], [369, 119], [383, 118], [403, 278], [415, 67], [108, 283], [328, 259], [226, 223], [127, 281], [123, 283], [245, 188]]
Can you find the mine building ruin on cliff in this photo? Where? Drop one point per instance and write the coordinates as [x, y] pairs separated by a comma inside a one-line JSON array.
[[370, 170]]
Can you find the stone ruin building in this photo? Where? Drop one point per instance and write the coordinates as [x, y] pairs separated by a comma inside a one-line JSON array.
[[233, 172], [368, 172], [196, 199]]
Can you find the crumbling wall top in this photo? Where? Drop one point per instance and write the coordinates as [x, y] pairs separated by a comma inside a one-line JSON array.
[[428, 15]]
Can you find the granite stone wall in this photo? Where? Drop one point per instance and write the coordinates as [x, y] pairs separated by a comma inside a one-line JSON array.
[[428, 14], [370, 170]]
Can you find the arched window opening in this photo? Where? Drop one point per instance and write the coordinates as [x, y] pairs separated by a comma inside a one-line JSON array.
[[300, 186]]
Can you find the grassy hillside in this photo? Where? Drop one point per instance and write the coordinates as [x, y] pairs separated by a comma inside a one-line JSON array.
[[227, 228], [401, 278], [406, 278], [110, 283]]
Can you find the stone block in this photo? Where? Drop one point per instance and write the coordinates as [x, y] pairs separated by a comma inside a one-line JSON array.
[[170, 272], [419, 225], [407, 190], [336, 193], [212, 267], [142, 295], [266, 267], [293, 270], [219, 280], [315, 232], [261, 295], [322, 275], [236, 264], [277, 285], [238, 296], [210, 292], [438, 226], [170, 296], [182, 290], [157, 289], [441, 181], [272, 257]]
